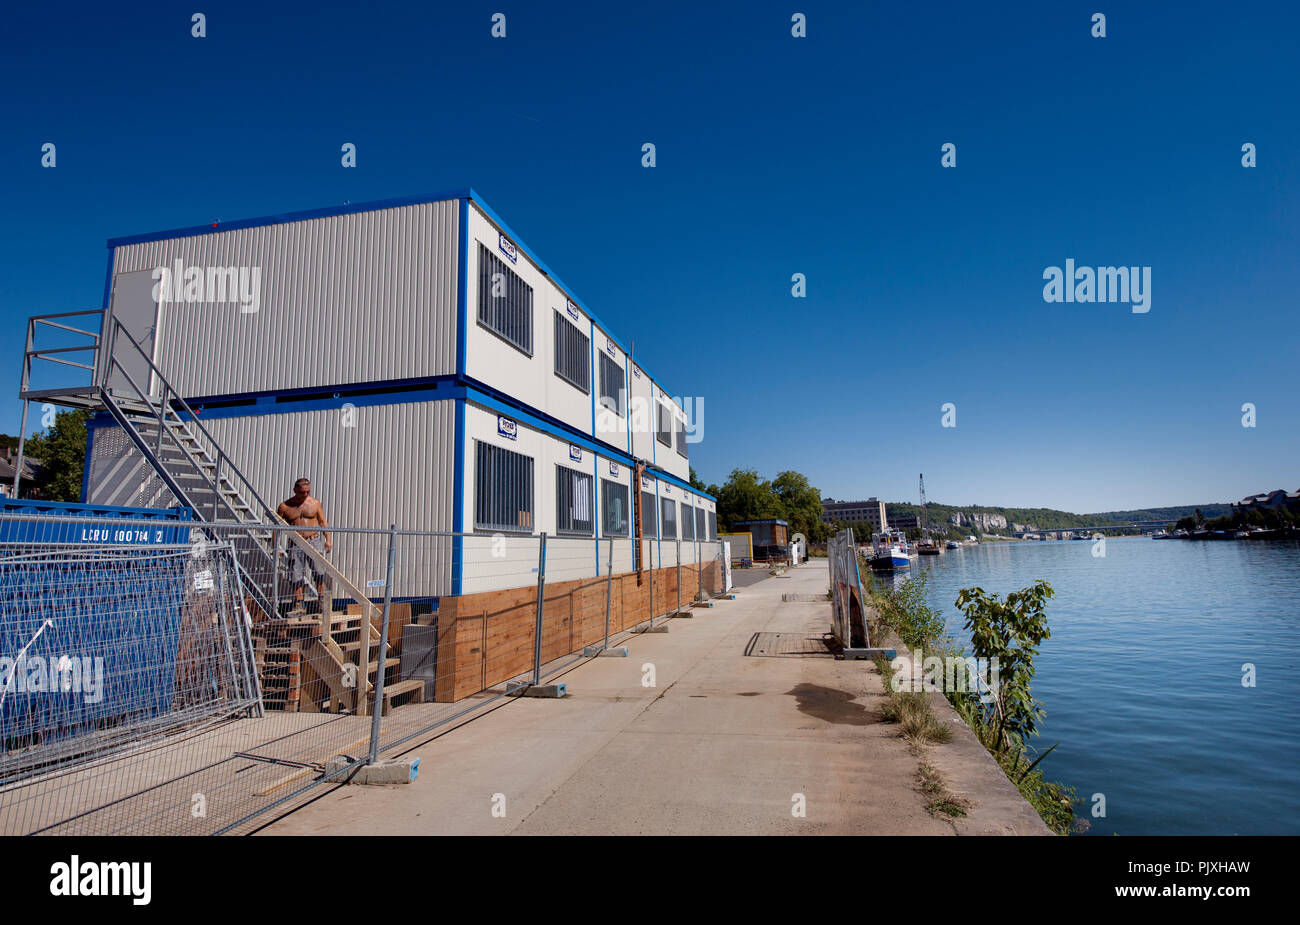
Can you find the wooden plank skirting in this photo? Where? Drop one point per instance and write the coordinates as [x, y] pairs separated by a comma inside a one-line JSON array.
[[487, 638]]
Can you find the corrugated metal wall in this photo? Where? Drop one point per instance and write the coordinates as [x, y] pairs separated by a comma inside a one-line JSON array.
[[393, 465], [344, 299], [120, 476]]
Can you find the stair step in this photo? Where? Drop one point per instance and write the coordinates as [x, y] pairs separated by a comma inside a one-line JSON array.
[[352, 646], [401, 687], [339, 620]]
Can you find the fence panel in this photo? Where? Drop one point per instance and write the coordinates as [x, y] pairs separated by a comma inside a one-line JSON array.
[[106, 651]]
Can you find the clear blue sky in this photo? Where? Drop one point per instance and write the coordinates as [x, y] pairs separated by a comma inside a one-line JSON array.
[[776, 155]]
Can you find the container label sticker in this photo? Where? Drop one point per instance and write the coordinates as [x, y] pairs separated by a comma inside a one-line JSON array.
[[568, 307], [609, 348], [508, 248], [506, 427], [575, 453], [376, 582], [636, 371], [203, 580], [613, 468]]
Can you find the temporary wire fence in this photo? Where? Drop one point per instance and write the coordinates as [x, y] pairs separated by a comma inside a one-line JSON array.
[[363, 652], [848, 610], [106, 651]]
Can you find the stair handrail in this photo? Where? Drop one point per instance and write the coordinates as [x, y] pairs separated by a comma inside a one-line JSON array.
[[368, 607], [262, 600], [271, 515], [158, 414]]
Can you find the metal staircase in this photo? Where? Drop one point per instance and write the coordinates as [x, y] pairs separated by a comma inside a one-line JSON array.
[[174, 442]]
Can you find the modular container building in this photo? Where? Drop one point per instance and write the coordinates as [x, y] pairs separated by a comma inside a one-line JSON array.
[[422, 366], [771, 538]]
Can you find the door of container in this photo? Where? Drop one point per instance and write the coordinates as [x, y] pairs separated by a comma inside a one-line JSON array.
[[134, 304]]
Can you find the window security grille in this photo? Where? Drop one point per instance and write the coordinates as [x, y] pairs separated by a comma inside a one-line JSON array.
[[681, 437], [701, 523], [503, 489], [614, 508], [664, 432], [505, 302], [572, 353], [573, 513], [648, 515], [688, 523], [668, 518], [611, 384]]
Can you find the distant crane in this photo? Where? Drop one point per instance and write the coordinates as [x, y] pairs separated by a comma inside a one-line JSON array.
[[925, 532]]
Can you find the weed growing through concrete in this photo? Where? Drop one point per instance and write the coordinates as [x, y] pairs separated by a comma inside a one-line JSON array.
[[942, 803], [911, 710]]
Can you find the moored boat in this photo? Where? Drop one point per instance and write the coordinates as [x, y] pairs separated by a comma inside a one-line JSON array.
[[890, 551]]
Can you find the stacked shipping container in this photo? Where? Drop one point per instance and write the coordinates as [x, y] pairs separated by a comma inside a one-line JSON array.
[[422, 367]]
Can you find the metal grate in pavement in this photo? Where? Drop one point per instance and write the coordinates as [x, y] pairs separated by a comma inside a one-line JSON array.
[[789, 645]]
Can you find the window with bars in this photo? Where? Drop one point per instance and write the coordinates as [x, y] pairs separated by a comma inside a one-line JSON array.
[[713, 525], [667, 519], [649, 505], [573, 502], [614, 512], [505, 302], [611, 384], [701, 523], [681, 437], [664, 432], [503, 489], [688, 523], [572, 353]]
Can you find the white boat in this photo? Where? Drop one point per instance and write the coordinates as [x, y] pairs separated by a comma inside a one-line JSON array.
[[953, 544], [891, 551]]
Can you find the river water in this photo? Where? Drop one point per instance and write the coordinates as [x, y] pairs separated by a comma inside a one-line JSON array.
[[1142, 676]]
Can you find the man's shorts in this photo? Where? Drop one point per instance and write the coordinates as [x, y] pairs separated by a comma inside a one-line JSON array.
[[302, 570]]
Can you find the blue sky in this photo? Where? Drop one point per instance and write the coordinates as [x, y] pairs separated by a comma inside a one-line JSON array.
[[775, 155]]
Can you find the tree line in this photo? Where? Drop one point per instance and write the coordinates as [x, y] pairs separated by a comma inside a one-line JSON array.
[[789, 497]]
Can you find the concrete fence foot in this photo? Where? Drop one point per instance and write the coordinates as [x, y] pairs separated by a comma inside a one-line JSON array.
[[524, 689], [647, 628], [395, 771]]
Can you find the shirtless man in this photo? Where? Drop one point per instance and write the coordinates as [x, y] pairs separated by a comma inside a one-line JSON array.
[[302, 510]]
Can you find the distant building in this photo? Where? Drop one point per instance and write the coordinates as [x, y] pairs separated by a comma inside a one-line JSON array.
[[8, 461], [771, 538], [871, 511], [904, 522], [1273, 500]]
